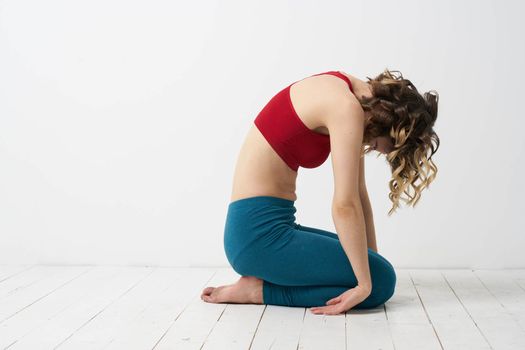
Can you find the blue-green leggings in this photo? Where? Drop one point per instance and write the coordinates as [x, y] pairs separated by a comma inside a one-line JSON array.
[[299, 265]]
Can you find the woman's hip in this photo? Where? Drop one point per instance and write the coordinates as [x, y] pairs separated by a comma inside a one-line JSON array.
[[256, 219]]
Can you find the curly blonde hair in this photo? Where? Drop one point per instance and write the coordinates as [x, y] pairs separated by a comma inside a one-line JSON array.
[[398, 111]]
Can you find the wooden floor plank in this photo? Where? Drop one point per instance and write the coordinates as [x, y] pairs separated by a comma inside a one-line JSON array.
[[453, 324], [24, 279], [7, 272], [368, 329], [237, 325], [75, 316], [409, 324], [54, 278], [518, 275], [497, 325], [280, 328], [116, 317], [39, 313], [148, 328], [509, 294], [192, 327], [323, 332]]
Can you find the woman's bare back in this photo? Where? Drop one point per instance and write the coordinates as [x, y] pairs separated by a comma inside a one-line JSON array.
[[259, 170]]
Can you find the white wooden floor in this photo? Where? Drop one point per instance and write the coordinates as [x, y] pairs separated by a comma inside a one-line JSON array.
[[87, 307]]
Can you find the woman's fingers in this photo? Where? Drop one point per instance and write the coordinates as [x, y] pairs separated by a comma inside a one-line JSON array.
[[328, 310], [333, 300], [343, 305], [322, 309], [333, 309]]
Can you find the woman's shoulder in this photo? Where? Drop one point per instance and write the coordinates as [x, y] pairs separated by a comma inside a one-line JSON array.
[[327, 87]]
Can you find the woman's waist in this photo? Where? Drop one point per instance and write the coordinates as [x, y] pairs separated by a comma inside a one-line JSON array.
[[251, 183], [261, 202], [256, 215]]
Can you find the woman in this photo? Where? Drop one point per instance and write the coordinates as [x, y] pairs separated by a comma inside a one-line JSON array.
[[284, 263]]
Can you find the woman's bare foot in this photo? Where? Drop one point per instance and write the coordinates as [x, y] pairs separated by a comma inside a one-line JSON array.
[[247, 290]]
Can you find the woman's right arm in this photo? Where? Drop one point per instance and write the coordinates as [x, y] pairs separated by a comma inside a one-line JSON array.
[[367, 208], [345, 124]]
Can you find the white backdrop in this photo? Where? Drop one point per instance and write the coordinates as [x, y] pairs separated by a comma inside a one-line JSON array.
[[121, 121]]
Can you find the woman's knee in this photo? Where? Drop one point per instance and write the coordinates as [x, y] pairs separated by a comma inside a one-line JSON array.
[[242, 266], [383, 281], [249, 263]]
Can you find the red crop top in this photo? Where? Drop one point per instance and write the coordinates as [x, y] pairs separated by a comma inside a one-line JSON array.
[[293, 141]]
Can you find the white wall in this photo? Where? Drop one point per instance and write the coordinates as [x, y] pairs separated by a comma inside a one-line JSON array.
[[121, 121]]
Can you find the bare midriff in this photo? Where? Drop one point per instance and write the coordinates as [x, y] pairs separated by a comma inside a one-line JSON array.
[[259, 171]]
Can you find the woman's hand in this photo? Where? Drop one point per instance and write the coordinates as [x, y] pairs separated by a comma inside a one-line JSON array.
[[343, 302]]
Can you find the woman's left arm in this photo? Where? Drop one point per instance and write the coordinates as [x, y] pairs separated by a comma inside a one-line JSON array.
[[367, 208]]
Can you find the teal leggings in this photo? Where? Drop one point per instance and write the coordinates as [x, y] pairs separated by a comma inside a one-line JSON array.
[[299, 265]]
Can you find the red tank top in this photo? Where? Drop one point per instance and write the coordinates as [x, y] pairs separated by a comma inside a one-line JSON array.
[[291, 139]]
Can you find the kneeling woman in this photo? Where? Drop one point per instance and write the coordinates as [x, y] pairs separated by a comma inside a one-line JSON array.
[[284, 263]]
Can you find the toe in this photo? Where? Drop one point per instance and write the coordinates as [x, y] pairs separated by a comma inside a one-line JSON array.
[[208, 290], [217, 295]]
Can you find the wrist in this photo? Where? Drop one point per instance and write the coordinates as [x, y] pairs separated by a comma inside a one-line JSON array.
[[367, 287]]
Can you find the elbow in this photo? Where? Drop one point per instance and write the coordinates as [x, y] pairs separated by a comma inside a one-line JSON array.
[[346, 208], [348, 213]]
